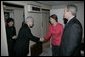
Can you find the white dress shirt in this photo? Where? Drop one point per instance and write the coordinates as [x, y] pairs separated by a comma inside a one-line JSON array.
[[70, 18]]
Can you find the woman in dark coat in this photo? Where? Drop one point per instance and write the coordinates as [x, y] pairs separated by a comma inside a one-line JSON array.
[[22, 43], [11, 34]]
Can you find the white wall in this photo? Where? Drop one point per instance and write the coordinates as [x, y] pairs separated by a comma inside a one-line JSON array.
[[18, 18], [80, 13], [4, 50]]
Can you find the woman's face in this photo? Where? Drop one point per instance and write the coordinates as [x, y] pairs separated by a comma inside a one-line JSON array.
[[52, 20], [30, 23], [10, 23]]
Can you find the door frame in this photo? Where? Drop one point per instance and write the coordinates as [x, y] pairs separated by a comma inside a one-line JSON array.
[[4, 49]]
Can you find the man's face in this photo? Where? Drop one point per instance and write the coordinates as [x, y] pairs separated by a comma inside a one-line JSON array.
[[66, 13], [30, 22]]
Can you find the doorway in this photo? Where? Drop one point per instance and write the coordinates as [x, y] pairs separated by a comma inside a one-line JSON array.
[[16, 12]]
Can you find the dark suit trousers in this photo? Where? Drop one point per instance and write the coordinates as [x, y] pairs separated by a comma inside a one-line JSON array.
[[55, 50]]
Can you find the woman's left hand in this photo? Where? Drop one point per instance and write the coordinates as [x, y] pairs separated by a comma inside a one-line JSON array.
[[14, 37]]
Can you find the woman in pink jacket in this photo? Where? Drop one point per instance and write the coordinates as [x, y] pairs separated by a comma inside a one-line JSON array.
[[55, 32]]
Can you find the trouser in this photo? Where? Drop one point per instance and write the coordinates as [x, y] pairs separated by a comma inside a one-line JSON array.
[[10, 47], [55, 50]]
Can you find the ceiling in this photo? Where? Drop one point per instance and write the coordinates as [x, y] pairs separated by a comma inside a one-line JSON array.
[[53, 3]]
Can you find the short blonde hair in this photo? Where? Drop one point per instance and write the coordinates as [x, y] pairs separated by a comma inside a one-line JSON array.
[[28, 18]]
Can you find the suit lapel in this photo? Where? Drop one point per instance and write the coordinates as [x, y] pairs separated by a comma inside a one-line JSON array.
[[69, 23]]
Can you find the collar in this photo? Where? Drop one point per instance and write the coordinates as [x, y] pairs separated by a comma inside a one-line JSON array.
[[70, 18]]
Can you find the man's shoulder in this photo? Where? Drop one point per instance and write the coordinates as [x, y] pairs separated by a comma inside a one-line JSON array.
[[74, 21], [24, 29]]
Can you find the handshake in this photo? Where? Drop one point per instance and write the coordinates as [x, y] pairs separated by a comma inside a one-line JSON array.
[[41, 39]]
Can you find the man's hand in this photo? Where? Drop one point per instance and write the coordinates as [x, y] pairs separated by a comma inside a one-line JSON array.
[[42, 39], [14, 37]]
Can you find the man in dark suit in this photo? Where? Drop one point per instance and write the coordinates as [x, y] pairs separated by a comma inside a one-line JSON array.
[[21, 47], [72, 35]]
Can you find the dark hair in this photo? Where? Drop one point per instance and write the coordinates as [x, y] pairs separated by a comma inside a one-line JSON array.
[[54, 16], [9, 20]]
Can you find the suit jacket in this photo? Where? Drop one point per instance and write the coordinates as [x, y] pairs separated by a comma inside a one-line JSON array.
[[21, 47], [71, 39]]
